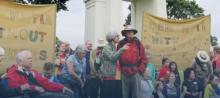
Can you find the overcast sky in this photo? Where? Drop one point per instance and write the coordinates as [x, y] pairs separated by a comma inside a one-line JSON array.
[[70, 24]]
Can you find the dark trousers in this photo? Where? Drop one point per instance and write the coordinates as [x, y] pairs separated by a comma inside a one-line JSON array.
[[111, 89], [92, 87], [202, 85], [50, 95], [74, 86]]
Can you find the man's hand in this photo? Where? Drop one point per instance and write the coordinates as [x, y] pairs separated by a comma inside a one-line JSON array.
[[67, 90], [25, 87], [39, 89], [81, 83]]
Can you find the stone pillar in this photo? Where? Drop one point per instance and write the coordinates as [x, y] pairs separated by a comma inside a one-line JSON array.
[[155, 7], [102, 16]]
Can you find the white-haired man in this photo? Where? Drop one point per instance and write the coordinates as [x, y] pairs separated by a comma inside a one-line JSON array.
[[23, 73], [7, 92]]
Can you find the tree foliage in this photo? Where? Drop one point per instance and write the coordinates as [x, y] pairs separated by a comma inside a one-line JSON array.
[[178, 9], [61, 4], [183, 9], [128, 19]]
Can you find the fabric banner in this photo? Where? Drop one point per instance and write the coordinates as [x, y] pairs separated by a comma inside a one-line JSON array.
[[27, 27], [178, 40]]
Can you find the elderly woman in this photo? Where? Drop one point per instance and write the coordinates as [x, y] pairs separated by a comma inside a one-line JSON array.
[[6, 92], [147, 87], [111, 87], [73, 72]]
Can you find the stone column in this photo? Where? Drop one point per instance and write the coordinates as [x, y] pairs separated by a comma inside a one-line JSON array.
[[155, 7], [102, 16]]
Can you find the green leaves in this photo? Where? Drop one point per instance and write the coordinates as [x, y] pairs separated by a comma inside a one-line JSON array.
[[61, 4], [183, 9]]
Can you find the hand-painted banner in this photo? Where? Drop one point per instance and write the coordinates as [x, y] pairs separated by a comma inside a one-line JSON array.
[[178, 40], [27, 27]]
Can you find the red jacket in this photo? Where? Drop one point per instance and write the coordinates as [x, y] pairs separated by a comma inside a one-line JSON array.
[[16, 78], [62, 57], [217, 60], [163, 73], [134, 56]]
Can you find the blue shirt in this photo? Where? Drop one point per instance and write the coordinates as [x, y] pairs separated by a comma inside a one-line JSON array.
[[147, 88], [78, 65]]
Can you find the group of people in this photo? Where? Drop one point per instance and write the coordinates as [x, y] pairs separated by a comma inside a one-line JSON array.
[[200, 80], [116, 69]]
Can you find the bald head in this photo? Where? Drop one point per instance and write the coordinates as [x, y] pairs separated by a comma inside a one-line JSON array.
[[24, 59]]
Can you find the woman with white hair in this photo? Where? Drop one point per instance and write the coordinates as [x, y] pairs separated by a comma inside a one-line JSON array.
[[73, 72], [147, 87], [111, 87], [6, 92]]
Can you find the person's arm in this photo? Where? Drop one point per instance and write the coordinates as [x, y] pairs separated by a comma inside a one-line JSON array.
[[112, 55], [161, 74], [46, 84], [210, 67], [143, 59], [72, 71], [164, 91], [184, 89]]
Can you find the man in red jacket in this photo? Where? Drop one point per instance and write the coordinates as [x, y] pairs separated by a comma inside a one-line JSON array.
[[22, 73], [133, 62], [216, 60]]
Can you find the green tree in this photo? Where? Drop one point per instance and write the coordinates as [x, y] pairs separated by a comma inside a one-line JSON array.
[[183, 9], [61, 4], [128, 19], [214, 40], [178, 9]]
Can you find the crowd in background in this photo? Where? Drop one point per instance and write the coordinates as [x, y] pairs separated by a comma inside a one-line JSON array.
[[114, 69]]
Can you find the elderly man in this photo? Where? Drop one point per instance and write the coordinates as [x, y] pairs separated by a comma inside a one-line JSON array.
[[68, 50], [133, 62], [6, 92], [87, 85], [22, 73]]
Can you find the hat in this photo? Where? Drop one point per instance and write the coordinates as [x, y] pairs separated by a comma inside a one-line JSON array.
[[203, 56], [128, 28], [100, 43]]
